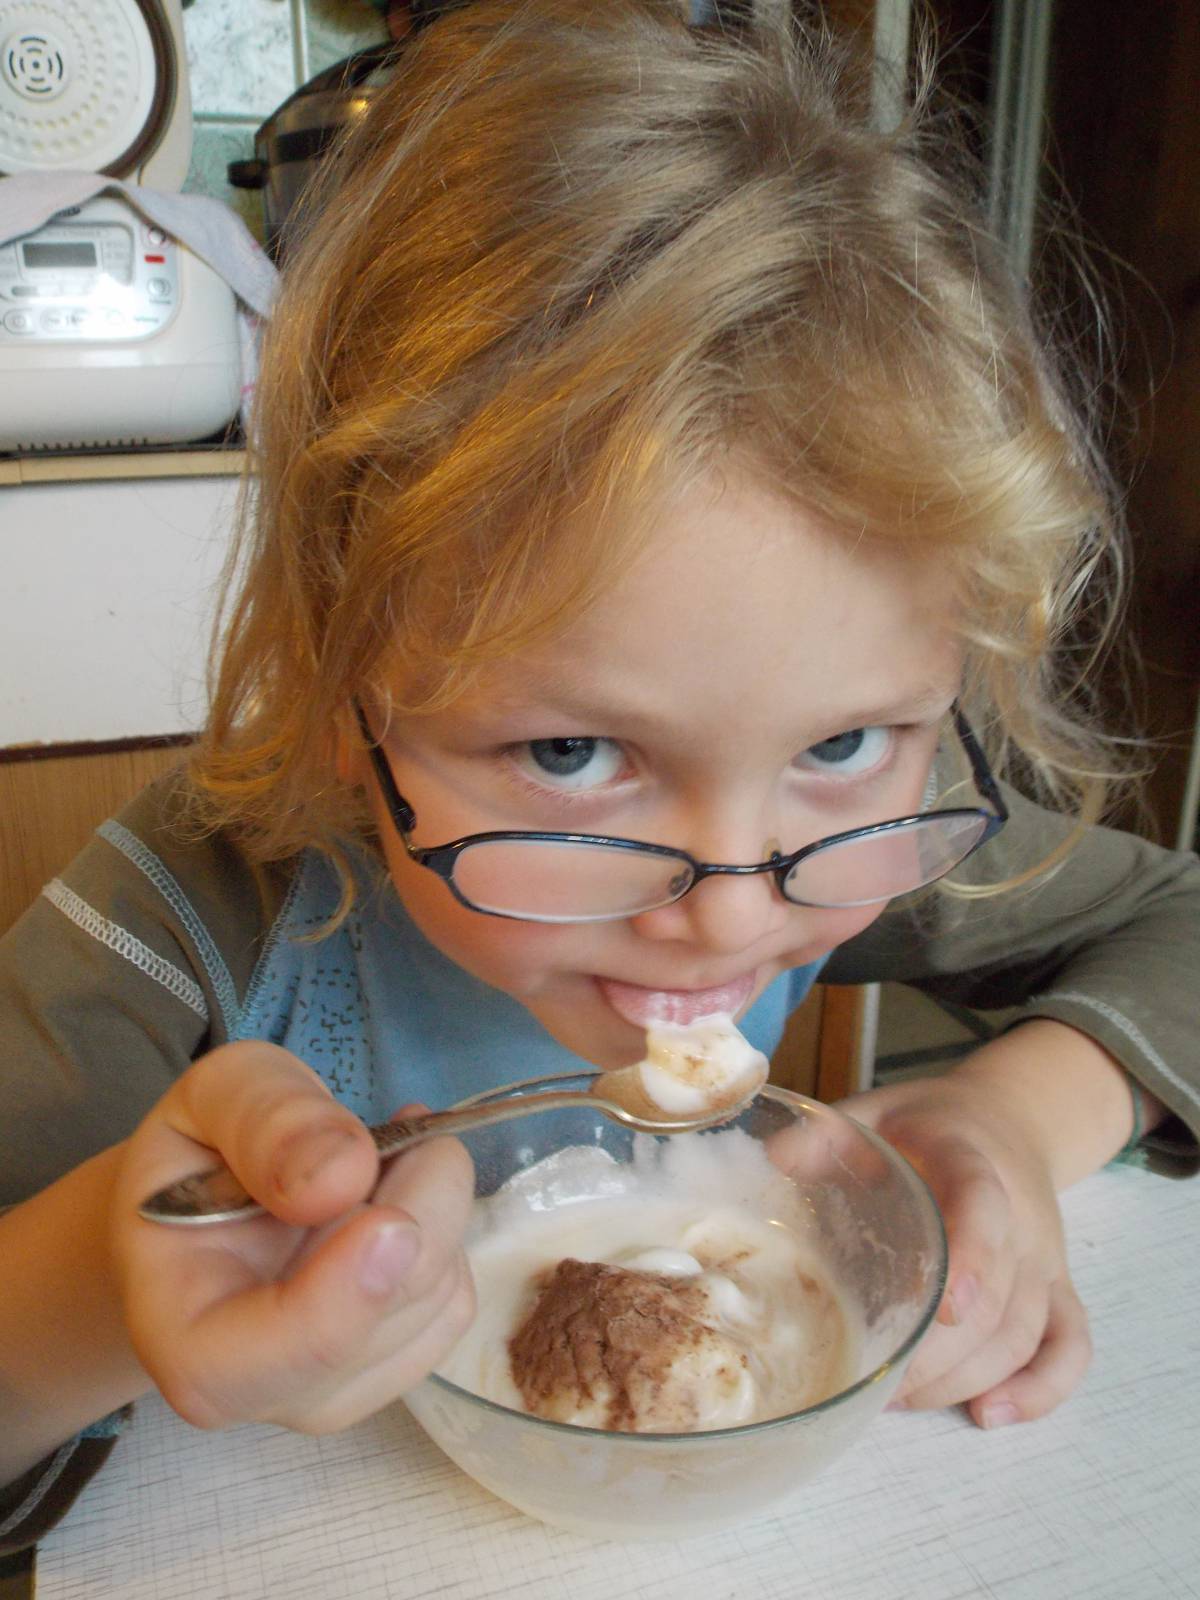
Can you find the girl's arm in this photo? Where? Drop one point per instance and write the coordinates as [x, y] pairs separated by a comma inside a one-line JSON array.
[[114, 988], [313, 1316], [1076, 1104], [996, 1138], [65, 1355], [1099, 959]]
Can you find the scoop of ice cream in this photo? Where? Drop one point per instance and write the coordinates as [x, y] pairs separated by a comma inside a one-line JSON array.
[[697, 1066], [661, 1258], [629, 1351]]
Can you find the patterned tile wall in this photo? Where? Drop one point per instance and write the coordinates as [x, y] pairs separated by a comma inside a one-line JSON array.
[[244, 58]]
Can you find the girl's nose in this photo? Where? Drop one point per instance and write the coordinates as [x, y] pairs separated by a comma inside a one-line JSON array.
[[721, 914]]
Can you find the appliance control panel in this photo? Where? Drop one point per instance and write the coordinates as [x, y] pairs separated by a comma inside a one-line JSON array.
[[96, 272]]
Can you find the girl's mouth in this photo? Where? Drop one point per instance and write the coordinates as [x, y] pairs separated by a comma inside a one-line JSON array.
[[642, 1006]]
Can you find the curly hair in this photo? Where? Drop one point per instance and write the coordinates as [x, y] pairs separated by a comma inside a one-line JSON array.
[[574, 255]]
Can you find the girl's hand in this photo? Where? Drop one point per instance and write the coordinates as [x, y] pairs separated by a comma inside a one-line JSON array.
[[345, 1296], [1011, 1336]]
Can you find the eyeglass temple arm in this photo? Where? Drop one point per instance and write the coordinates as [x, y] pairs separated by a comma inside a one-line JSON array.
[[980, 770], [403, 814]]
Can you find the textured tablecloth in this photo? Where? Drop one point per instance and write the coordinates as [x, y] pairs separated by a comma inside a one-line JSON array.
[[1100, 1501]]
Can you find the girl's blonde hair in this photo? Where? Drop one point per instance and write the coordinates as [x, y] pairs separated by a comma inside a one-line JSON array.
[[576, 253]]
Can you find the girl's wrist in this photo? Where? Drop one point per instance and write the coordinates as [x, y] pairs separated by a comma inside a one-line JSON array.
[[1067, 1096], [65, 1355]]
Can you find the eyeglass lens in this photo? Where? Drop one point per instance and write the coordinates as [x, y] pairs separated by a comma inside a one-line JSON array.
[[879, 866], [558, 881]]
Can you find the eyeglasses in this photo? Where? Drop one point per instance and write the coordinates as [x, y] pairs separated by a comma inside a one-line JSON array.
[[585, 877]]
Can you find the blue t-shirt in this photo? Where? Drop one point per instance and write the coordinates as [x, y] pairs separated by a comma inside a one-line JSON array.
[[385, 1018]]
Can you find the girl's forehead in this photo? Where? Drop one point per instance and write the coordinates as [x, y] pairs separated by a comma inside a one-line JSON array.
[[743, 604]]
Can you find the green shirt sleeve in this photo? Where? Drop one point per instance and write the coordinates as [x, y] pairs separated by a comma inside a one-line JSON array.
[[110, 985]]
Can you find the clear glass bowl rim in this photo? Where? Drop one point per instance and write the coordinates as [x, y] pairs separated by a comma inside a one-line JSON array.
[[795, 1102]]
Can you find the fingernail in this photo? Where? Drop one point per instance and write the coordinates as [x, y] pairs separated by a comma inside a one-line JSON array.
[[896, 1405], [300, 1165], [963, 1294], [389, 1254], [998, 1415]]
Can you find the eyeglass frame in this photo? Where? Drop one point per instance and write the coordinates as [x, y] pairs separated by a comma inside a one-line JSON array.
[[440, 859]]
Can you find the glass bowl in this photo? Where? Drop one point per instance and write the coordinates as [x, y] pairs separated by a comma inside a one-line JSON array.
[[879, 1233]]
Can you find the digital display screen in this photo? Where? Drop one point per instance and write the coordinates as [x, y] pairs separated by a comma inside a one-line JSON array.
[[46, 253]]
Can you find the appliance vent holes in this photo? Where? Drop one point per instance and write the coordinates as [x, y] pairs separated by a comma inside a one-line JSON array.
[[74, 446], [35, 65]]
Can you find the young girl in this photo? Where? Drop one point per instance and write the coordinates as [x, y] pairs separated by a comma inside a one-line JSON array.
[[649, 450]]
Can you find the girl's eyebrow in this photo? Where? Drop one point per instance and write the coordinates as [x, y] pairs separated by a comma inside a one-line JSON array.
[[927, 705], [545, 701]]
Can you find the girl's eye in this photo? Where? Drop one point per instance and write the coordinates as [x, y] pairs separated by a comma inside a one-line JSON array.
[[572, 763], [847, 754]]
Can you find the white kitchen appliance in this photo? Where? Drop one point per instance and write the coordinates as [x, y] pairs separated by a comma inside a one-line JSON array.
[[111, 331], [95, 86]]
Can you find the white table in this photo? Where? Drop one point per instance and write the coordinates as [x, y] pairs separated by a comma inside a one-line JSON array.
[[1100, 1501]]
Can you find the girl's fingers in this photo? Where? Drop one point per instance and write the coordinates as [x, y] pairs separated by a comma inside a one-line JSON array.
[[988, 1361], [272, 1121], [975, 1208], [1054, 1371], [978, 1217], [397, 1371], [434, 1184], [982, 1266], [225, 1349], [224, 1345]]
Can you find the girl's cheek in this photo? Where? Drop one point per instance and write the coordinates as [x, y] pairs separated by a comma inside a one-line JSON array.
[[499, 950], [838, 927]]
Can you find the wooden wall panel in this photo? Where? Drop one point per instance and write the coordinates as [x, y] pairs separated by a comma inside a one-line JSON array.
[[49, 806], [818, 1054]]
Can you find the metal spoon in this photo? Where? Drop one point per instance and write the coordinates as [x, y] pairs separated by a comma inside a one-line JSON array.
[[217, 1196]]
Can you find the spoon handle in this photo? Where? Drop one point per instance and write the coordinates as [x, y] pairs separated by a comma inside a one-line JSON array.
[[217, 1196]]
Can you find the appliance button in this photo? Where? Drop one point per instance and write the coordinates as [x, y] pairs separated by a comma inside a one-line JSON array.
[[160, 288], [155, 236], [77, 316], [18, 322], [52, 321]]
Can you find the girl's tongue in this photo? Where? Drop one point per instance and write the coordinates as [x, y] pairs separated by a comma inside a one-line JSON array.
[[644, 1007]]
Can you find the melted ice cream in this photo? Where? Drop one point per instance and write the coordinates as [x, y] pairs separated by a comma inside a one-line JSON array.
[[676, 1294], [694, 1066]]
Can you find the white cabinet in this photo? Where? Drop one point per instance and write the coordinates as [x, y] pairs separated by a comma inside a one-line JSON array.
[[107, 592]]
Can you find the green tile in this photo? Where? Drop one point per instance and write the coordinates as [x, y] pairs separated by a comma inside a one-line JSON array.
[[214, 146], [240, 56], [337, 28]]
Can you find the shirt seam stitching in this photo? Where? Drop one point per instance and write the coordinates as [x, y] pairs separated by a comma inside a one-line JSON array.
[[1131, 1031], [126, 945], [169, 888], [275, 933], [54, 1471]]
